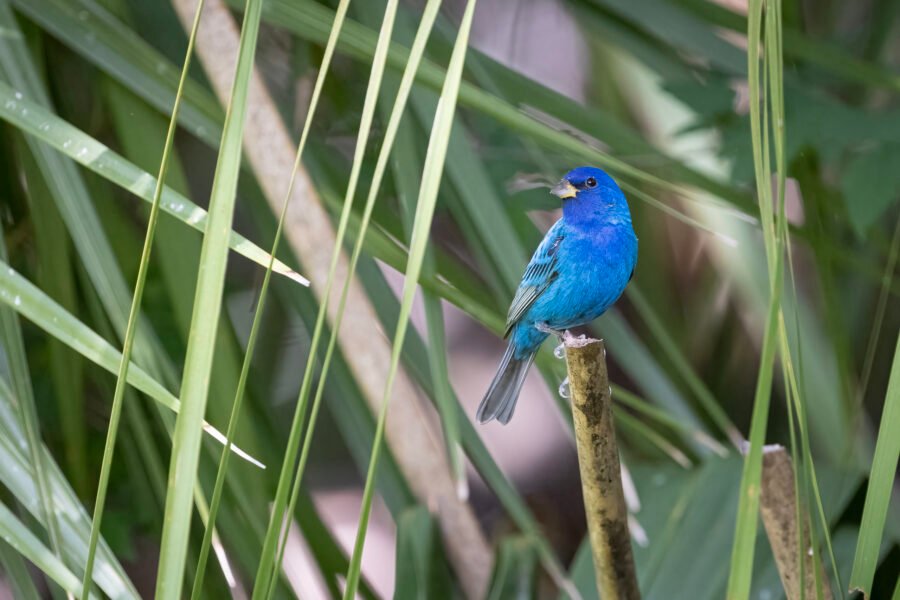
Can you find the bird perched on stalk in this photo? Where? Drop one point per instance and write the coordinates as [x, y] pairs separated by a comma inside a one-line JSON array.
[[580, 269]]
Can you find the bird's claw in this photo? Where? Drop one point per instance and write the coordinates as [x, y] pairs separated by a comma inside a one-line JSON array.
[[543, 327]]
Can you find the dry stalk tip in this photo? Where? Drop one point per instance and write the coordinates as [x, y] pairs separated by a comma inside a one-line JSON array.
[[777, 505]]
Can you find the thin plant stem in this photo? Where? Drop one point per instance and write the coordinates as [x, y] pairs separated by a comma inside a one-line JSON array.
[[428, 17], [133, 317], [265, 570]]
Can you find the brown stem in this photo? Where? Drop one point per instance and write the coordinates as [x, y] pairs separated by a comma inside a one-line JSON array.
[[601, 476], [777, 505]]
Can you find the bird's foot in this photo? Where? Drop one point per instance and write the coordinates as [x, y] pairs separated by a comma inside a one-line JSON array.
[[543, 327], [567, 338]]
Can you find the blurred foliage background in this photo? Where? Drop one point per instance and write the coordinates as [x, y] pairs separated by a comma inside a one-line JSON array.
[[656, 91]]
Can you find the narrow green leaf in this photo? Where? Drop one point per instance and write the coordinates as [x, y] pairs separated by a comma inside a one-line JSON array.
[[17, 366], [29, 546], [15, 363], [878, 319], [17, 475], [142, 132], [515, 572], [131, 327], [267, 568], [71, 195], [308, 19], [43, 125], [799, 45], [405, 162], [100, 38], [774, 235], [368, 114], [37, 307], [416, 362], [702, 393], [420, 575], [56, 278], [204, 323], [17, 573], [431, 181], [881, 483]]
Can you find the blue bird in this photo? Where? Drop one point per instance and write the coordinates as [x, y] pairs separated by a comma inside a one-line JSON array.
[[580, 269]]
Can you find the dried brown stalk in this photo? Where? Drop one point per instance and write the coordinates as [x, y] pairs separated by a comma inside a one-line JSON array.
[[777, 505], [601, 478]]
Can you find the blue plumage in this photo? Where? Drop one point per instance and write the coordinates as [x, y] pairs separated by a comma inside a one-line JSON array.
[[579, 270]]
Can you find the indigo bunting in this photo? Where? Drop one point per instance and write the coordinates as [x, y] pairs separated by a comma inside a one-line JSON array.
[[579, 270]]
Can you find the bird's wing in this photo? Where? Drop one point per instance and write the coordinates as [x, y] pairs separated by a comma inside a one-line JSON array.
[[540, 273]]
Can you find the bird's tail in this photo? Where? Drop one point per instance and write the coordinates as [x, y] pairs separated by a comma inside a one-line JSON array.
[[500, 400]]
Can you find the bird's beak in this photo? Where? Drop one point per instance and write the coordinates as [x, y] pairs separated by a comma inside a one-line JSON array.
[[564, 190]]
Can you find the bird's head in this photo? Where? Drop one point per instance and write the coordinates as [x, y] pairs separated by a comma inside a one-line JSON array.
[[590, 195]]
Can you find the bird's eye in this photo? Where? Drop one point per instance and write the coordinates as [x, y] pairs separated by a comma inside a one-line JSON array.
[[590, 182]]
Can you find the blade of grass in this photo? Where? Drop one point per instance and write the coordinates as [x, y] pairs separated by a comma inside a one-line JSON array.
[[16, 365], [276, 517], [881, 482], [131, 327], [17, 576], [142, 132], [37, 307], [419, 573], [71, 195], [774, 231], [204, 323], [99, 37], [443, 392], [165, 423], [17, 475], [55, 277], [713, 410], [806, 482], [805, 475], [631, 424], [307, 19], [405, 163], [416, 363], [805, 478], [369, 106], [515, 572], [626, 398], [43, 125], [878, 319], [266, 570], [28, 545], [431, 178], [798, 45]]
